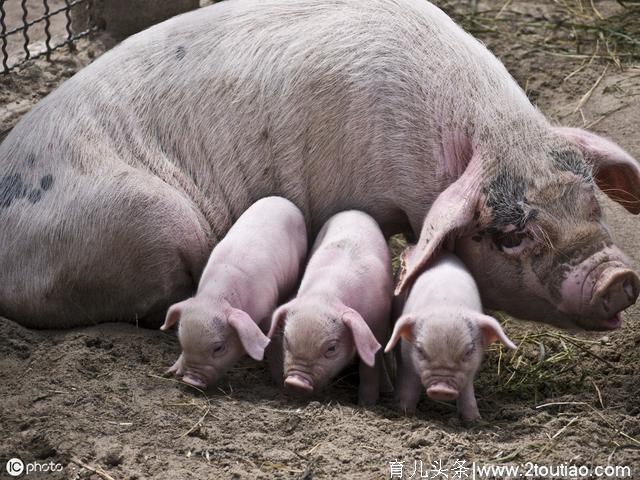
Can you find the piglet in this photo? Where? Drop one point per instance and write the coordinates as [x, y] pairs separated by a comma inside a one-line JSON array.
[[256, 264], [443, 334], [342, 307]]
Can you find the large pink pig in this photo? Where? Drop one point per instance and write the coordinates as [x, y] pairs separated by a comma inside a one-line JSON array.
[[342, 307], [442, 334], [256, 264], [150, 153]]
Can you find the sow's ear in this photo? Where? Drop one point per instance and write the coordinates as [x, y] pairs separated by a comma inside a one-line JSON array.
[[451, 213], [253, 340], [616, 172], [404, 259], [366, 343]]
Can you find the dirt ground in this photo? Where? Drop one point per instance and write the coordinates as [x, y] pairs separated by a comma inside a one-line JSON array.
[[97, 396]]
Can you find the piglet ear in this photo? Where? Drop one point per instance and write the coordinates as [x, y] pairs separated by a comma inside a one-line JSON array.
[[278, 318], [451, 214], [403, 328], [616, 172], [251, 337], [366, 343], [173, 315], [492, 331]]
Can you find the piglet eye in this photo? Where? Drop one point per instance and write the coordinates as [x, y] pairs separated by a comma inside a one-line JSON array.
[[332, 349], [469, 352], [421, 353], [219, 348]]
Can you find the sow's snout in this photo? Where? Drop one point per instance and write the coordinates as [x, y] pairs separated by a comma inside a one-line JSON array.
[[615, 290], [599, 289]]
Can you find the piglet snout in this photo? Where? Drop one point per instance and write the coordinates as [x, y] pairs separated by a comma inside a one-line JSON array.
[[193, 381], [299, 382], [442, 391]]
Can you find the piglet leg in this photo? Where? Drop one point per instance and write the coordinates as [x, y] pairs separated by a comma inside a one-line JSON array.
[[466, 403], [273, 357], [177, 368], [372, 378], [408, 384], [369, 388]]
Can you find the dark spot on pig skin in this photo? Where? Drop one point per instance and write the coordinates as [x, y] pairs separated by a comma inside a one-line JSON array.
[[473, 333], [550, 275], [31, 160], [180, 52], [572, 161], [553, 270], [11, 188], [46, 182], [519, 268], [35, 196], [505, 197], [265, 134]]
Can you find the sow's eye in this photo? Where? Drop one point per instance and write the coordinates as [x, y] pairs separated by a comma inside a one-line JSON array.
[[513, 242], [218, 348]]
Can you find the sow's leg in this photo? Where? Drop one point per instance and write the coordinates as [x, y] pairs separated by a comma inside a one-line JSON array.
[[79, 249]]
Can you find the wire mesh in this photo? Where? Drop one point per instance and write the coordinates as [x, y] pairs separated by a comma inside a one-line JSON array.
[[15, 23]]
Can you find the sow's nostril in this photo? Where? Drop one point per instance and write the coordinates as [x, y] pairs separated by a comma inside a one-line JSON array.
[[620, 292], [630, 289], [605, 302]]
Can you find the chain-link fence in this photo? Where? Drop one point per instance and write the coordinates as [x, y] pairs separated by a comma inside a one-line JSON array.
[[33, 28]]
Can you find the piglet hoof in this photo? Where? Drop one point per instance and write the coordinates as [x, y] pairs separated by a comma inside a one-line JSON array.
[[175, 369], [470, 419], [408, 409], [367, 401]]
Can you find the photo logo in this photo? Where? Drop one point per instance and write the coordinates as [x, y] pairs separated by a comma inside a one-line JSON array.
[[15, 467]]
